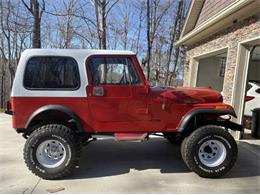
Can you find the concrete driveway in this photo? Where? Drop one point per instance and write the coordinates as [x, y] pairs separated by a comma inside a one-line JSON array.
[[111, 167]]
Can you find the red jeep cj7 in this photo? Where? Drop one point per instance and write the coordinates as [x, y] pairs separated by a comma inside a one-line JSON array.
[[63, 99]]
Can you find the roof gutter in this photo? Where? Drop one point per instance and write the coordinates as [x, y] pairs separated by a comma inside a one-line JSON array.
[[228, 11]]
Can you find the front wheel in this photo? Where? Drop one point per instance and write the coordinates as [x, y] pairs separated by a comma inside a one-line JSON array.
[[52, 151], [209, 151]]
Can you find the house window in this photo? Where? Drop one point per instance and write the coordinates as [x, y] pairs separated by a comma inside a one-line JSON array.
[[222, 67]]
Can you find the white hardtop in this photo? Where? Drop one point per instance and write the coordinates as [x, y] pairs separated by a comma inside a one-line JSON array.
[[80, 55], [83, 53]]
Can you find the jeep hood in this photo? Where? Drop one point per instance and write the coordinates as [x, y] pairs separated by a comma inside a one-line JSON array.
[[187, 94]]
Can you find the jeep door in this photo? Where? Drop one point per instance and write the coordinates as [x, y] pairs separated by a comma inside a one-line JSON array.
[[117, 95]]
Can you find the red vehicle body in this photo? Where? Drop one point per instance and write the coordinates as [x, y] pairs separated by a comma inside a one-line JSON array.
[[133, 110], [126, 111]]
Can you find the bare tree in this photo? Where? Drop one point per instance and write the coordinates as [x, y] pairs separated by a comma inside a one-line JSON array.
[[14, 32], [101, 16], [3, 62], [149, 40], [125, 25], [65, 24], [172, 40], [154, 16], [178, 51], [114, 34], [100, 6], [36, 11], [73, 22], [139, 29], [159, 57]]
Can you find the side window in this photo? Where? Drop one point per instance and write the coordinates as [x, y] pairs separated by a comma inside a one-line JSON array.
[[113, 71], [47, 72]]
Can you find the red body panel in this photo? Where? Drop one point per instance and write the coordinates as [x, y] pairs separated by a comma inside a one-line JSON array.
[[126, 109], [152, 113], [107, 115]]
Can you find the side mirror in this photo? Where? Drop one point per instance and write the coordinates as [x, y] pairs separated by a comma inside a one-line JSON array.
[[98, 91]]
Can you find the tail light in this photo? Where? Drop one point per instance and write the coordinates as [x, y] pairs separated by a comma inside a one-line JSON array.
[[249, 98]]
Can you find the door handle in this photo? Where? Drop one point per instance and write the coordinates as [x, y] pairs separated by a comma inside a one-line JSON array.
[[98, 91]]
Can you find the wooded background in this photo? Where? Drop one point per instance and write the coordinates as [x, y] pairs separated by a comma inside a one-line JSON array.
[[150, 28]]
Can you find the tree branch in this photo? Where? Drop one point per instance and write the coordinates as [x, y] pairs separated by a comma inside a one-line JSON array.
[[27, 7], [43, 8], [75, 15], [109, 9]]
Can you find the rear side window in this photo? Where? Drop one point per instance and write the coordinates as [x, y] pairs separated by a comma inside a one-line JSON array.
[[49, 72], [113, 71]]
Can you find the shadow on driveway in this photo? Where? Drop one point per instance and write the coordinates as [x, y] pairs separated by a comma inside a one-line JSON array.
[[108, 158], [248, 161]]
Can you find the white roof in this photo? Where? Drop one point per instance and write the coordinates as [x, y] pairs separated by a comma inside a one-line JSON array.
[[80, 55], [75, 52]]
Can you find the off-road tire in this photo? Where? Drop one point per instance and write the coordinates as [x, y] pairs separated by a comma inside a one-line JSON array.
[[190, 151], [182, 148], [58, 132]]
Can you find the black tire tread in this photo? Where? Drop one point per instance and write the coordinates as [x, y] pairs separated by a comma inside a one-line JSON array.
[[192, 139], [182, 148], [65, 133]]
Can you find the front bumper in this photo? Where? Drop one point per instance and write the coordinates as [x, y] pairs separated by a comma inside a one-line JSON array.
[[230, 125]]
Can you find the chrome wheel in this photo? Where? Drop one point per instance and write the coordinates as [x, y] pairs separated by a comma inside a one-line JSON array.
[[212, 153], [51, 153]]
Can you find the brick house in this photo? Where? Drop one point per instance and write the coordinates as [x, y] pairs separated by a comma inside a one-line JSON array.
[[223, 42]]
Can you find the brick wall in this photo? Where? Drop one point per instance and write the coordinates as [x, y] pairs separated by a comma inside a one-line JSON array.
[[246, 29]]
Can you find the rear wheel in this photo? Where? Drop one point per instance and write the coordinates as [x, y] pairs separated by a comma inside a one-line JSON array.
[[209, 151], [52, 151]]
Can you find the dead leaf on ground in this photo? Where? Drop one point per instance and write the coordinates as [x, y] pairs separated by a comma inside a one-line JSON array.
[[55, 189]]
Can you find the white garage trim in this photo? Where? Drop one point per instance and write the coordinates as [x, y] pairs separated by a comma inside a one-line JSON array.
[[195, 63], [240, 77]]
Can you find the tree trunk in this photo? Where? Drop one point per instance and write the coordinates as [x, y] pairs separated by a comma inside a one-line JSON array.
[[100, 6], [174, 31], [3, 87], [176, 58], [36, 43], [181, 18], [139, 31], [34, 9], [148, 24]]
